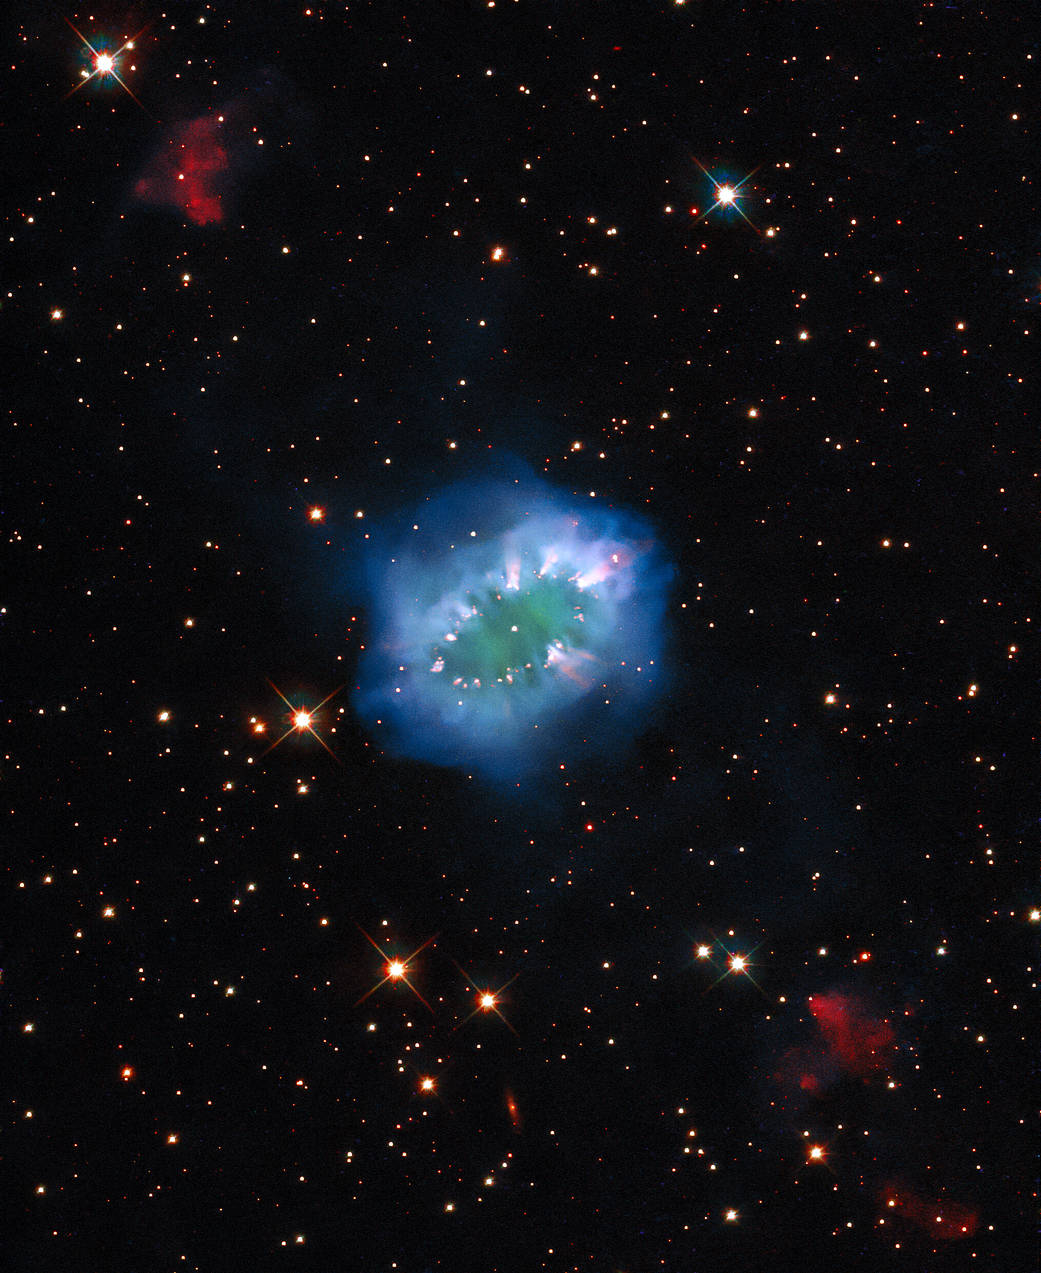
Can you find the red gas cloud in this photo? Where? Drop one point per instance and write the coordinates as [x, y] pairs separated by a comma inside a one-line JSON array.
[[805, 1073], [859, 1042], [851, 1041], [189, 171], [942, 1219], [202, 165]]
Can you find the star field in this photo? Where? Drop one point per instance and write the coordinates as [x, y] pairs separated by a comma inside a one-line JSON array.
[[745, 976]]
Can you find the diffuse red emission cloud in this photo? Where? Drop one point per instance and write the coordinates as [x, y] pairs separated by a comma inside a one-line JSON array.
[[941, 1218], [201, 162], [189, 172], [860, 1043], [803, 1074], [851, 1042]]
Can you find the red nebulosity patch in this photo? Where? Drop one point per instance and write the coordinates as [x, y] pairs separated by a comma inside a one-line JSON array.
[[804, 1073], [189, 172], [859, 1042], [944, 1220]]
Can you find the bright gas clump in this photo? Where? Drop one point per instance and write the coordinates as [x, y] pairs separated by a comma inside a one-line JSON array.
[[502, 620]]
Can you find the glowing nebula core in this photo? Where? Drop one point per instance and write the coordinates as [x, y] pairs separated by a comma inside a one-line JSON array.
[[512, 632]]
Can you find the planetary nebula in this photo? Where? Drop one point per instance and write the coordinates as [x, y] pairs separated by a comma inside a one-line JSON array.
[[512, 632]]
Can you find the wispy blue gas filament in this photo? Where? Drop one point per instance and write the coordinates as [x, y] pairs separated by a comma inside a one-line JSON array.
[[510, 631]]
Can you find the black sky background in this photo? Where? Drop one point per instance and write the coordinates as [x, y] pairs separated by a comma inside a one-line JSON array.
[[166, 437]]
